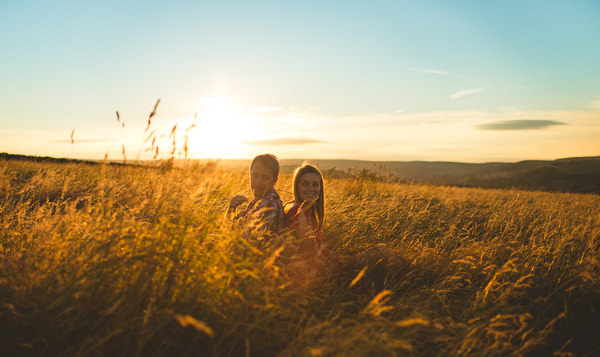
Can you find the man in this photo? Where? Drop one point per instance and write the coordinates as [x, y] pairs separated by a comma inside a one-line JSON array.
[[265, 212]]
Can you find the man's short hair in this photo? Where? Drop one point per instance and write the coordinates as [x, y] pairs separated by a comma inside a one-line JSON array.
[[269, 161]]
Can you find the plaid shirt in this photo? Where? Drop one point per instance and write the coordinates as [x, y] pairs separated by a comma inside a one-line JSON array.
[[265, 213]]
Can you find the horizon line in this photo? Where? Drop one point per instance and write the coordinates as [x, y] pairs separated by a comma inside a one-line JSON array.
[[5, 155]]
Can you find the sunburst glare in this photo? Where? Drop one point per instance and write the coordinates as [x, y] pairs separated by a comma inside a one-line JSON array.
[[219, 130]]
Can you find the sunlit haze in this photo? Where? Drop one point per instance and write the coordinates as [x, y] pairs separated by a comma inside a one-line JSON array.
[[467, 81]]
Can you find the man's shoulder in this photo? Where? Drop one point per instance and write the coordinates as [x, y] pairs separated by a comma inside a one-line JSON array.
[[272, 197], [271, 202]]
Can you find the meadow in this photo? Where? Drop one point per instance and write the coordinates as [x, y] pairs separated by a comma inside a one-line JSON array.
[[138, 261]]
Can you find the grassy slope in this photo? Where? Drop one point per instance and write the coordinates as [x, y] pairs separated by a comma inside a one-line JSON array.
[[564, 175], [580, 175], [116, 260]]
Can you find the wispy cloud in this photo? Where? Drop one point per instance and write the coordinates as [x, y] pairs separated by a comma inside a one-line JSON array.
[[422, 70], [524, 124], [595, 104], [284, 141], [466, 92]]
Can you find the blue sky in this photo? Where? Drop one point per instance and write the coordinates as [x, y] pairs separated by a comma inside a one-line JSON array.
[[467, 81]]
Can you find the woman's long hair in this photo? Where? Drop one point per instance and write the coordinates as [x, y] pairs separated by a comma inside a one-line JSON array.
[[317, 208]]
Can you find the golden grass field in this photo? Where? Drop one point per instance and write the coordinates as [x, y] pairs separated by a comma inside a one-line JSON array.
[[137, 261]]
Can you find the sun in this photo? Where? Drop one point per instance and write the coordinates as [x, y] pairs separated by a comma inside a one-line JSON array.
[[219, 130]]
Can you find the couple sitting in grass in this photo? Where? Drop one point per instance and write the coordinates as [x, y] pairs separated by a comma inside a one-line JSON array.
[[302, 217]]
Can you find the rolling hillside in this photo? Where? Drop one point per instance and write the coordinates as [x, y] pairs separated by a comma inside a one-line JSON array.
[[563, 175], [579, 174]]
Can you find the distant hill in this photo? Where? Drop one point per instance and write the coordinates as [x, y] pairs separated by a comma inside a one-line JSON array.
[[578, 174]]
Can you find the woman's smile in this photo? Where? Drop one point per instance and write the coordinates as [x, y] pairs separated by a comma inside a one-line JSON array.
[[309, 187]]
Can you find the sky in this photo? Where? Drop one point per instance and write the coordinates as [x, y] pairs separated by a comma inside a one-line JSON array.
[[469, 81]]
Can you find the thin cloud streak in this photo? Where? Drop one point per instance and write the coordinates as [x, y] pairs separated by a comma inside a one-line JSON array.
[[525, 124], [446, 135], [595, 104], [421, 70], [466, 92], [284, 141]]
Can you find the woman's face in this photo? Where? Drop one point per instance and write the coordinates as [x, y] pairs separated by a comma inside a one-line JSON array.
[[309, 187]]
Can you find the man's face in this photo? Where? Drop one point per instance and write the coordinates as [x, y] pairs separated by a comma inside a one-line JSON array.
[[261, 180]]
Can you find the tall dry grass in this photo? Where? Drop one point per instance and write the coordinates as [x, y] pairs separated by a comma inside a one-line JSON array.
[[100, 259]]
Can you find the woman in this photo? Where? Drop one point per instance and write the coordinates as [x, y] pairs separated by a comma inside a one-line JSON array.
[[304, 216], [304, 219]]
